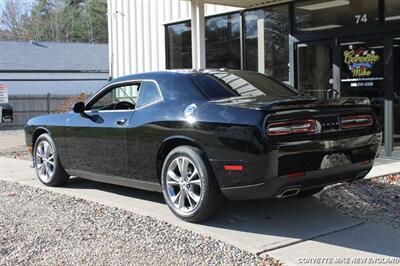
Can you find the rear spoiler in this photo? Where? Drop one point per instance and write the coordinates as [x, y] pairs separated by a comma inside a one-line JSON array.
[[311, 102]]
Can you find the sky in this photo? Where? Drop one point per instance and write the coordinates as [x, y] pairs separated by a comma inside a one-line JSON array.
[[27, 1]]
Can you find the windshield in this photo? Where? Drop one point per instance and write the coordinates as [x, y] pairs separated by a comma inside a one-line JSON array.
[[219, 85]]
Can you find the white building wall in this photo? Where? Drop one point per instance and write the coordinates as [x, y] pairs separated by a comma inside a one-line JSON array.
[[137, 33]]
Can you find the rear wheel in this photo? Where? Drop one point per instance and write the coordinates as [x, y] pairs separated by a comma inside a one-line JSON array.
[[47, 164], [309, 192], [188, 184]]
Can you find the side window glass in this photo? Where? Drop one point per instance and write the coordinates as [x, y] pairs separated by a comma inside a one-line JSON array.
[[119, 98], [148, 93]]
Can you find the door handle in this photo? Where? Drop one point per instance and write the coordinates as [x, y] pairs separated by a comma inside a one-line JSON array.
[[121, 122]]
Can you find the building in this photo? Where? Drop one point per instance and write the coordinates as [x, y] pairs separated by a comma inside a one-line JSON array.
[[39, 76], [39, 68], [137, 33], [325, 48]]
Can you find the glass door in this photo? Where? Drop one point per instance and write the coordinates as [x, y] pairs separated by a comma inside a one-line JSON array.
[[314, 69]]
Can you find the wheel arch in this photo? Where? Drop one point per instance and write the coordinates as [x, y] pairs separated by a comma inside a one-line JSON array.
[[168, 145], [38, 131]]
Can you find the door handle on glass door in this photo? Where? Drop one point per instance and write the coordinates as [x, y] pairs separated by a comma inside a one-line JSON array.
[[121, 122]]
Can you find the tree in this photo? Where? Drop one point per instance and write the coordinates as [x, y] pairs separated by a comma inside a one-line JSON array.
[[52, 20], [97, 21], [13, 20], [39, 27], [92, 22], [55, 20], [74, 2]]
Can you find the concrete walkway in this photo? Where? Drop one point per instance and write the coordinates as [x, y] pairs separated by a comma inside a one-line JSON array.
[[295, 231], [384, 167]]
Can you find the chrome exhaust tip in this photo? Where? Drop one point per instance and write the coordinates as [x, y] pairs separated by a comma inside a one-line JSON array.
[[361, 175], [289, 193]]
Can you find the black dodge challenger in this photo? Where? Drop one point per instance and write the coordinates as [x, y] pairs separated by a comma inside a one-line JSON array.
[[202, 136]]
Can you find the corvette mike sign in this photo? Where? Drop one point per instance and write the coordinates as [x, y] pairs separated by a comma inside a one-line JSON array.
[[3, 93], [361, 62], [362, 68]]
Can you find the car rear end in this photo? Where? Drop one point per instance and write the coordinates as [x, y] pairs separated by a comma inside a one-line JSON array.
[[323, 145], [313, 145], [6, 113], [299, 143]]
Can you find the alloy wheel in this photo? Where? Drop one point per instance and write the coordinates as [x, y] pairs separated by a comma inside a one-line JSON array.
[[45, 162], [184, 185]]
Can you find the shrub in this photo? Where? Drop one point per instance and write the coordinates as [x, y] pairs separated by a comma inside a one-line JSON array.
[[67, 105]]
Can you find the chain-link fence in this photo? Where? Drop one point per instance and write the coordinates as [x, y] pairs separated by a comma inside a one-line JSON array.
[[36, 97]]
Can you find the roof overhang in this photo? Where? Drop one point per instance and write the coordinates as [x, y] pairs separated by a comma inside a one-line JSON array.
[[246, 3]]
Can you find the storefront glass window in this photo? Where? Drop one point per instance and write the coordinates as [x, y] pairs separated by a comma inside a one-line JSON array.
[[362, 73], [275, 24], [324, 15], [223, 41], [362, 69], [392, 10], [179, 46]]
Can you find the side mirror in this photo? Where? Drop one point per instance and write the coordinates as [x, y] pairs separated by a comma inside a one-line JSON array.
[[79, 107]]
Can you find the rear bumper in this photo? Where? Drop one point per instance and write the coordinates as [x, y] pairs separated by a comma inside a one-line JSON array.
[[7, 115], [276, 186], [269, 172]]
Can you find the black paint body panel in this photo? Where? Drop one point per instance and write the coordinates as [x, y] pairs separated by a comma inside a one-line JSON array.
[[229, 132]]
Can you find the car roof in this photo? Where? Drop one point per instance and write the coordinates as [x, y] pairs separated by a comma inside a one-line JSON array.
[[170, 73], [174, 84]]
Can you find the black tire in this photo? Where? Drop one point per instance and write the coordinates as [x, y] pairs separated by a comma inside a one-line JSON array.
[[309, 192], [210, 196], [56, 175]]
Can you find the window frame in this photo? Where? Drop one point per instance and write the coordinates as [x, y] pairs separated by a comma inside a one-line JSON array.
[[167, 40], [229, 15], [289, 6], [383, 12], [181, 21], [153, 102], [91, 100]]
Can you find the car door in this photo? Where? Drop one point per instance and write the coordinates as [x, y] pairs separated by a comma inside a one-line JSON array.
[[145, 134], [97, 138]]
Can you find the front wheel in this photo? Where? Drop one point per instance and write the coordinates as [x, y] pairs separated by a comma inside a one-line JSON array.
[[47, 164], [189, 186]]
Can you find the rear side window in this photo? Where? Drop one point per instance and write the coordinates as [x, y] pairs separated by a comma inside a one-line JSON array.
[[214, 88], [148, 94], [219, 85]]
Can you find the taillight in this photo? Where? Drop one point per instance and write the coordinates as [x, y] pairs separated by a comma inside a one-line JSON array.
[[291, 127], [356, 121]]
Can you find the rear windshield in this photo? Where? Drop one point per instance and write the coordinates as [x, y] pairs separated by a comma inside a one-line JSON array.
[[219, 85]]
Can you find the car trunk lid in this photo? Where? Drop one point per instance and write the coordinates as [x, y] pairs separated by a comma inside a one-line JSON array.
[[297, 102]]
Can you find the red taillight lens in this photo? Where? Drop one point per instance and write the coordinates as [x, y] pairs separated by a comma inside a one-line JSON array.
[[279, 129], [356, 121], [291, 127], [233, 167]]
